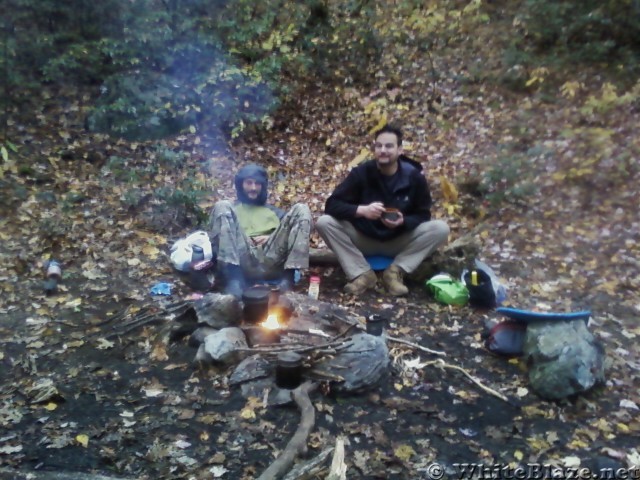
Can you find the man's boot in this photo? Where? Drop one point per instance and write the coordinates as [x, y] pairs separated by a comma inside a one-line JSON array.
[[392, 280], [362, 283], [234, 280], [288, 280]]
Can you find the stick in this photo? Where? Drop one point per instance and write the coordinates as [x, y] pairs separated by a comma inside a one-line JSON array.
[[298, 443], [311, 468], [416, 346], [338, 469], [441, 363]]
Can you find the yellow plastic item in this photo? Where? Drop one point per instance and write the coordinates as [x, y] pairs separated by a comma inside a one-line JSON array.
[[474, 278]]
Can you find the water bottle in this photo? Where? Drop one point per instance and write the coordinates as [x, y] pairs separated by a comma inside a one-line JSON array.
[[54, 274], [198, 277], [314, 287]]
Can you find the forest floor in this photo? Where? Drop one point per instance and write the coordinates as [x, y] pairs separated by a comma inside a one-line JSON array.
[[565, 237]]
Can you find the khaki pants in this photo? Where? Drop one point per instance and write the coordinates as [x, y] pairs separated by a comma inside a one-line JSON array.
[[408, 250]]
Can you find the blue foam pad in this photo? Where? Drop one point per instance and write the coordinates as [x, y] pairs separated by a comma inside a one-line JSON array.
[[529, 316], [378, 262]]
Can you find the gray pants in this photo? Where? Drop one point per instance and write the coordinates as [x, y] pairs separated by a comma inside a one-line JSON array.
[[408, 250], [286, 248]]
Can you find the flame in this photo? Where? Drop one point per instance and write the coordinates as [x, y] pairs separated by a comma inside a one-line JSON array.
[[271, 322]]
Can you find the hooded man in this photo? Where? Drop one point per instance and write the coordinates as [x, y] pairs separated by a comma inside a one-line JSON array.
[[254, 240], [357, 220]]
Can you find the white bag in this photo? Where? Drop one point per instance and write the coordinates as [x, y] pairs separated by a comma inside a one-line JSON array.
[[182, 251]]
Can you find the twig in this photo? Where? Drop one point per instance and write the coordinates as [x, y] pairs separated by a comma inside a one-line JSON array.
[[441, 363], [416, 346], [338, 470], [298, 443]]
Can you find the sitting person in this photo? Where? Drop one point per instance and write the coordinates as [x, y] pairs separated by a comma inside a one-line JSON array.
[[354, 226], [255, 240]]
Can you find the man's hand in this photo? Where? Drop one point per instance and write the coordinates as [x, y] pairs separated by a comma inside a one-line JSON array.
[[373, 211], [259, 240], [394, 223]]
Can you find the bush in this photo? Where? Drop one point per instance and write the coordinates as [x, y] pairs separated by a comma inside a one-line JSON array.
[[588, 30]]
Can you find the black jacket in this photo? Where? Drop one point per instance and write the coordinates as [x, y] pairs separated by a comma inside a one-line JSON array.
[[364, 185]]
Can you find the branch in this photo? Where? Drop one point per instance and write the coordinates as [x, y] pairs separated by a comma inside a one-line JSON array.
[[441, 363], [298, 443], [416, 346]]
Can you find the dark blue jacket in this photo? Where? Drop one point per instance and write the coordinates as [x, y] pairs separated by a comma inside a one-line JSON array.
[[364, 185]]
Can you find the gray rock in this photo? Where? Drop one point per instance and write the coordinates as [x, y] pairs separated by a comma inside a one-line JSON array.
[[251, 368], [222, 345], [564, 357], [199, 334], [218, 310], [362, 364]]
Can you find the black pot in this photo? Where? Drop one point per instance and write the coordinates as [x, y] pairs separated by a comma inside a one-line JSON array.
[[376, 324], [256, 305], [289, 370]]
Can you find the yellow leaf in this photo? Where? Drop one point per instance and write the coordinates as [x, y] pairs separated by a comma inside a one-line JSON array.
[[397, 386], [83, 440], [449, 191], [51, 406], [518, 455], [404, 452], [364, 153], [622, 427], [248, 414], [192, 129], [5, 153], [150, 251], [382, 121]]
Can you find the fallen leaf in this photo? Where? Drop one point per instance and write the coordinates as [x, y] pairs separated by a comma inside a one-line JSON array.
[[404, 452], [83, 440], [104, 344], [218, 471], [51, 406]]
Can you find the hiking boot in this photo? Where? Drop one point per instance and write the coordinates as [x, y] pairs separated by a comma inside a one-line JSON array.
[[392, 280], [362, 283]]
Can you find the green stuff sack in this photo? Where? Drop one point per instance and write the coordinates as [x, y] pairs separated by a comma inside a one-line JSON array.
[[447, 290]]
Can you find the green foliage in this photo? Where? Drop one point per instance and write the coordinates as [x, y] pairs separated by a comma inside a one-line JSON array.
[[511, 177], [583, 30], [171, 65]]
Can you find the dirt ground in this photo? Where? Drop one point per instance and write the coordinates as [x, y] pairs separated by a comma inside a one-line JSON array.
[[129, 407]]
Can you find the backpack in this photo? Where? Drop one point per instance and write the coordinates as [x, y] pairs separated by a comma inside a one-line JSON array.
[[447, 290], [485, 290], [507, 338]]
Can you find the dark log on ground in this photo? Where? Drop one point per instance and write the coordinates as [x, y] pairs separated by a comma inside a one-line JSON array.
[[452, 258], [298, 443]]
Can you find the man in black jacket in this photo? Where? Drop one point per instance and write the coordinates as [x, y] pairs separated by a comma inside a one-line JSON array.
[[358, 221]]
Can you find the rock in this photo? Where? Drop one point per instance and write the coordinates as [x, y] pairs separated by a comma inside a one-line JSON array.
[[564, 357], [222, 345], [362, 364], [198, 336], [251, 368], [218, 310]]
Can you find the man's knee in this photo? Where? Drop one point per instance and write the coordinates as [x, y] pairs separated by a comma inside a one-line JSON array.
[[325, 222], [301, 210], [437, 230]]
